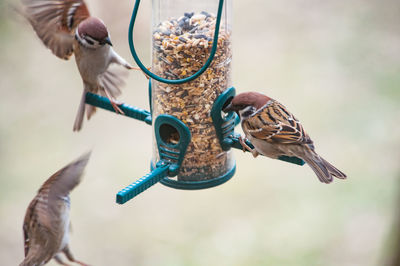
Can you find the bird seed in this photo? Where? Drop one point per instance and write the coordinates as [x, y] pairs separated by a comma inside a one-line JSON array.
[[181, 48]]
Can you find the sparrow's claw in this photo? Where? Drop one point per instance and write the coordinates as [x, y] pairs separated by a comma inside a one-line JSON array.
[[114, 103], [137, 68], [246, 147], [146, 74], [241, 141], [132, 68], [116, 107]]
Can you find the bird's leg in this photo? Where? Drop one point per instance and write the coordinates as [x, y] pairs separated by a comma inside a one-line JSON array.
[[119, 60], [246, 147], [146, 74], [59, 260], [81, 263], [138, 68], [69, 255], [114, 103], [132, 68]]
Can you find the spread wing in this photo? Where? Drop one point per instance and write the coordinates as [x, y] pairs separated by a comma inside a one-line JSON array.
[[38, 224], [55, 21], [275, 124], [63, 181]]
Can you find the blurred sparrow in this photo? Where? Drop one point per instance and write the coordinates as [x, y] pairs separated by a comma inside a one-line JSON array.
[[47, 223], [274, 131], [66, 28]]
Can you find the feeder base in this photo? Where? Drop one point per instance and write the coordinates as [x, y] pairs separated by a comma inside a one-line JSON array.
[[194, 185]]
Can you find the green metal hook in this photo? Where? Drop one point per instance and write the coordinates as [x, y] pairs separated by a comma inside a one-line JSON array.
[[174, 81]]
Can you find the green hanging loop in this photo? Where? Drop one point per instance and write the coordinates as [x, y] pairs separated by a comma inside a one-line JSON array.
[[174, 81]]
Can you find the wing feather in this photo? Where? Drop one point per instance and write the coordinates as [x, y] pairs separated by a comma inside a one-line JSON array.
[[28, 224], [66, 179], [55, 21], [275, 124], [38, 230], [112, 80]]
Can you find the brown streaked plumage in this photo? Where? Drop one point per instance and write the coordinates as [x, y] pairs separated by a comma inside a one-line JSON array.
[[274, 132], [46, 224], [66, 28]]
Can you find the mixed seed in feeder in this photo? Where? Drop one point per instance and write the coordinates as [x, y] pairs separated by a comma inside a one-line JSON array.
[[181, 46]]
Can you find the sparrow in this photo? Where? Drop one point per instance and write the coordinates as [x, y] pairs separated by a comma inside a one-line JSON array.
[[274, 132], [66, 28], [47, 222]]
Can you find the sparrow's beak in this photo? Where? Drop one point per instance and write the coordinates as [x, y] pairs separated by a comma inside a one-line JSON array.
[[228, 108], [108, 41]]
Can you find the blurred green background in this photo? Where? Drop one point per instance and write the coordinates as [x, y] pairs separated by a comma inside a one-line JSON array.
[[334, 64]]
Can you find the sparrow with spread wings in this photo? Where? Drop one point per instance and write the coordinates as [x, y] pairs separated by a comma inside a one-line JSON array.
[[274, 132], [66, 28], [47, 223]]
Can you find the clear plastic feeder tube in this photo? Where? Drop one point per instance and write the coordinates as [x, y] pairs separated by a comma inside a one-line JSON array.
[[182, 34]]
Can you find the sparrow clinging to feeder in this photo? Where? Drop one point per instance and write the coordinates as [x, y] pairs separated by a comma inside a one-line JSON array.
[[66, 28], [274, 132], [47, 223]]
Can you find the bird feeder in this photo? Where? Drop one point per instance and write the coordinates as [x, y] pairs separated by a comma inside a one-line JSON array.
[[189, 85]]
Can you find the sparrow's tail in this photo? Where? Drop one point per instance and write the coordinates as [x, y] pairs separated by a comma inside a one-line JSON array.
[[81, 113], [90, 111], [323, 169], [333, 170]]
